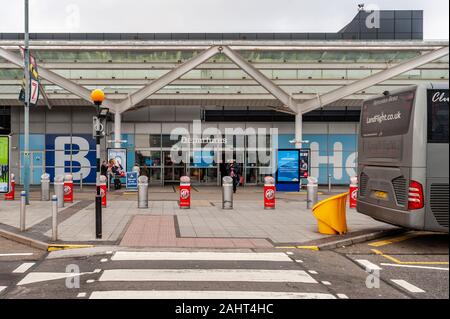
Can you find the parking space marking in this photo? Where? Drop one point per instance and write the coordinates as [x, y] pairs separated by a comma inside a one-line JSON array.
[[23, 268], [16, 254], [406, 285], [412, 266], [397, 239], [395, 260]]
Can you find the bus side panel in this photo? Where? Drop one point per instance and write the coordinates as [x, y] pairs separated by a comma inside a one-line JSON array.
[[437, 188]]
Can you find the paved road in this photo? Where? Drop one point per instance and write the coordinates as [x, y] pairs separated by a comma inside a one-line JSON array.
[[221, 274]]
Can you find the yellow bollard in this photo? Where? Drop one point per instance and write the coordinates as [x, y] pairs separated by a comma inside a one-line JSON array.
[[330, 214]]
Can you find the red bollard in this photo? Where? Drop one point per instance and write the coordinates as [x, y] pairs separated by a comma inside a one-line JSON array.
[[185, 192], [68, 188], [103, 190], [12, 190], [353, 191], [269, 192]]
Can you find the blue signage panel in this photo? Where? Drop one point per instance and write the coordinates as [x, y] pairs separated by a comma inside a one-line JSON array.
[[71, 154], [132, 180], [288, 172]]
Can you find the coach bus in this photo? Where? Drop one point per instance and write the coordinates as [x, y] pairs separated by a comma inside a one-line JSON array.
[[403, 157]]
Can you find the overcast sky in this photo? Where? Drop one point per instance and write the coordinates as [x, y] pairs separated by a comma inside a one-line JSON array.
[[158, 16]]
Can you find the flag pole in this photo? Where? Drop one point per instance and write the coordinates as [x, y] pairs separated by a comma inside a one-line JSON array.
[[26, 148]]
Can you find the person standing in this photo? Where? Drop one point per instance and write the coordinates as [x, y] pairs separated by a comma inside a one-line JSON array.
[[104, 169]]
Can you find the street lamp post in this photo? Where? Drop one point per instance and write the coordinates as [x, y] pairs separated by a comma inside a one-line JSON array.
[[26, 133], [97, 96]]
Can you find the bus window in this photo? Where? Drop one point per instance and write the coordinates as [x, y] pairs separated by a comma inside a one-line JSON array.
[[438, 103], [388, 116]]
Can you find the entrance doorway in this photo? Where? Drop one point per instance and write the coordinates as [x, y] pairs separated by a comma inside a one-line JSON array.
[[36, 167]]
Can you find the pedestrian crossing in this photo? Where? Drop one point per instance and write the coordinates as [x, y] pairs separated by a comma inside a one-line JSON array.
[[189, 275]]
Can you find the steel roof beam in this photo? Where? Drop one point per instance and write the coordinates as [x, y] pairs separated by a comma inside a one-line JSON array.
[[379, 77], [259, 77], [56, 79], [166, 79]]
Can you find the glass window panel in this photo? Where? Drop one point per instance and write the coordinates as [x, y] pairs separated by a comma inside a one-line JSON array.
[[142, 140], [309, 74], [334, 74], [148, 158], [358, 74], [155, 140]]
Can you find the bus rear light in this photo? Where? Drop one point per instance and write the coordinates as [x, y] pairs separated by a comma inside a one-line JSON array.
[[415, 195]]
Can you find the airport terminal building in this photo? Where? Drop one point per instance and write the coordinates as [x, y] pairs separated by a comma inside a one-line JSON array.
[[243, 82]]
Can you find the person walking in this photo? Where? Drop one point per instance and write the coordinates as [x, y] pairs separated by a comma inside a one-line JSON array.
[[234, 173]]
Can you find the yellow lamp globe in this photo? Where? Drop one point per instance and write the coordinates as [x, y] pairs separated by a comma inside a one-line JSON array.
[[97, 96]]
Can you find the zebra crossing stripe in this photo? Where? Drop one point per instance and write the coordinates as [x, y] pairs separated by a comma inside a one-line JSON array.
[[195, 256], [213, 275], [23, 268], [186, 294]]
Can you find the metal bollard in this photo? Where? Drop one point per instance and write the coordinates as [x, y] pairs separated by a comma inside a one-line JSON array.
[[312, 194], [23, 209], [227, 192], [81, 181], [59, 190], [329, 183], [143, 191], [54, 218], [45, 187]]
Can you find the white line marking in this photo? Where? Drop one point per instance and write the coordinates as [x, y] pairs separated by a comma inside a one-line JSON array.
[[96, 271], [289, 253], [177, 294], [406, 285], [23, 268], [2, 288], [81, 295], [299, 261], [103, 260], [90, 281], [326, 283], [342, 296], [209, 256], [35, 277], [368, 265], [243, 275], [414, 266], [16, 254], [313, 272]]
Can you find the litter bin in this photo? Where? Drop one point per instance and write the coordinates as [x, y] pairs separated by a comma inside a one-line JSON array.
[[269, 192], [102, 184], [185, 192], [227, 192], [59, 190], [312, 196], [68, 188], [45, 187], [143, 191]]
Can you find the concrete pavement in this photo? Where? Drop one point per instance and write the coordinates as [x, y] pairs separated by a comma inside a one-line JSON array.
[[205, 223]]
